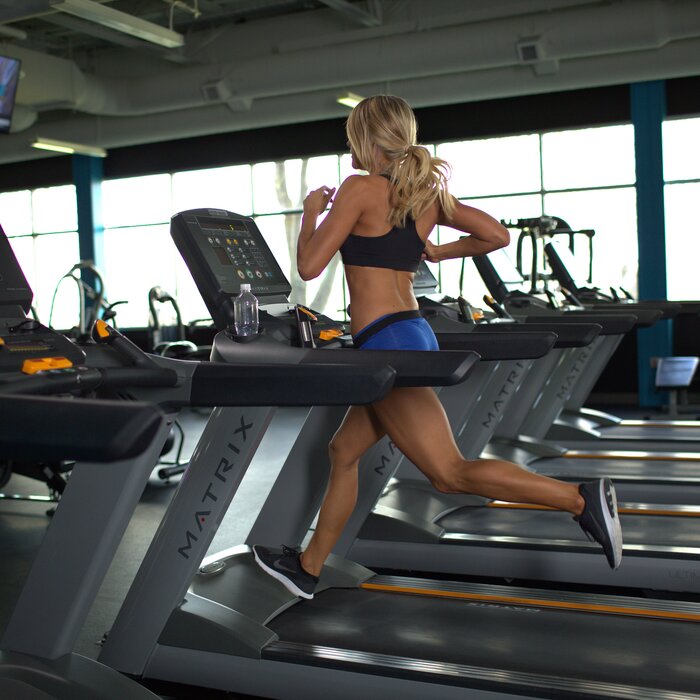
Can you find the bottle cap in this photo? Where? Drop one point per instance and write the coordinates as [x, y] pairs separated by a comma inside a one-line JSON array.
[[245, 288]]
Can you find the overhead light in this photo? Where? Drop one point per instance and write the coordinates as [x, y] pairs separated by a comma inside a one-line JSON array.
[[68, 147], [349, 99], [120, 21], [12, 33]]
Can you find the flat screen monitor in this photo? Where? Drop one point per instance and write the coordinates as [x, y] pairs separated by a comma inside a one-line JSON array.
[[9, 78]]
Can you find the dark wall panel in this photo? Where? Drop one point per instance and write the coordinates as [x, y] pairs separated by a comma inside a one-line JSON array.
[[683, 96], [559, 110], [473, 119]]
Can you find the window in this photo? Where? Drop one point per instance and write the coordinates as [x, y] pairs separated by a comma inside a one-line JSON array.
[[585, 176], [16, 213], [681, 139], [136, 201], [54, 209], [129, 275], [219, 188], [588, 158], [493, 166], [612, 213]]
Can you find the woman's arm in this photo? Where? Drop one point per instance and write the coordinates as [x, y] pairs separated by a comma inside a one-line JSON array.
[[485, 234], [317, 245]]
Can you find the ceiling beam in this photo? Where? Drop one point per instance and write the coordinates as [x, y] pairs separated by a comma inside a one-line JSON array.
[[372, 17]]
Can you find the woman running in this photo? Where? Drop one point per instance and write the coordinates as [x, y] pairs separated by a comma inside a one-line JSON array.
[[380, 223]]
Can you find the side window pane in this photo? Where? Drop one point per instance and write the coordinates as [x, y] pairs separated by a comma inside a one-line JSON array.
[[682, 247], [282, 186], [320, 171], [493, 166], [346, 168], [216, 188], [280, 232], [681, 139], [23, 249], [192, 306], [613, 216], [128, 277], [501, 208], [55, 254], [54, 209], [323, 294], [16, 213], [588, 157], [279, 186], [136, 201]]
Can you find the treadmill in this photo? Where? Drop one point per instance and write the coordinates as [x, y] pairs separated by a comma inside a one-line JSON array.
[[116, 445], [578, 423], [402, 523], [221, 622], [501, 278]]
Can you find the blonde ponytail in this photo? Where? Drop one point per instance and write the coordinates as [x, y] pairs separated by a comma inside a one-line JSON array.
[[417, 179]]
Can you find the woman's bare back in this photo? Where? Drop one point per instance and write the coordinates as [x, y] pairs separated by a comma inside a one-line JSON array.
[[375, 291]]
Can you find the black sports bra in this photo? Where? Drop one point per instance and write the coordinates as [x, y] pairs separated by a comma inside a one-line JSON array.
[[398, 249]]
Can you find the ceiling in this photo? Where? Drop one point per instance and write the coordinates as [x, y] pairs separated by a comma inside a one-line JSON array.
[[253, 63]]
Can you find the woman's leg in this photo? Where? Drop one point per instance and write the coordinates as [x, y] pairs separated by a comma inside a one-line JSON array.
[[416, 422], [358, 432]]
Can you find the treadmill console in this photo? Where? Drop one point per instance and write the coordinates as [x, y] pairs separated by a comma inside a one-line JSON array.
[[424, 281], [486, 267], [224, 250], [14, 288], [24, 342]]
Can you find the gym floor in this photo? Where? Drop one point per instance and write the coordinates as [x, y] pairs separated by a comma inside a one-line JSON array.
[[23, 524]]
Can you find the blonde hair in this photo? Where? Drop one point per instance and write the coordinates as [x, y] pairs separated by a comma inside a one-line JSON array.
[[417, 179]]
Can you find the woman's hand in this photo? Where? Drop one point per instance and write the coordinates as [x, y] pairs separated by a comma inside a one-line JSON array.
[[317, 200], [431, 252]]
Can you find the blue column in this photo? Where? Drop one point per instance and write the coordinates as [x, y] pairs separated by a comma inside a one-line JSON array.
[[648, 107], [87, 177]]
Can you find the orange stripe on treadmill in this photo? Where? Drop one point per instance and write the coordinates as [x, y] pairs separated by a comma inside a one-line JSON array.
[[622, 511], [536, 602], [641, 458], [682, 425]]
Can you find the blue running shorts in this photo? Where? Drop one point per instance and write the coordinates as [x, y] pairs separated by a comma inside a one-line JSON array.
[[405, 330]]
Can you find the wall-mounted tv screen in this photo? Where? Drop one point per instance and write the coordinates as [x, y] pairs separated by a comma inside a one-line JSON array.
[[9, 77]]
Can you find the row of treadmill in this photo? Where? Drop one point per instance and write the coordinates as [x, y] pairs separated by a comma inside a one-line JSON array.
[[427, 595]]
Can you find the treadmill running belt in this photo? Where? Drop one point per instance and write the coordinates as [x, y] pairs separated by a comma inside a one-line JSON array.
[[639, 652], [662, 471], [555, 525]]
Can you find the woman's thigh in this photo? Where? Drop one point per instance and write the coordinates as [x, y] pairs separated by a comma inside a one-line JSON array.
[[415, 420], [359, 430]]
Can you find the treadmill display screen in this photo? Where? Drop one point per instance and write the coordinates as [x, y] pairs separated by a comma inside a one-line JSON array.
[[209, 223], [14, 288], [572, 265], [224, 250], [506, 270], [424, 281]]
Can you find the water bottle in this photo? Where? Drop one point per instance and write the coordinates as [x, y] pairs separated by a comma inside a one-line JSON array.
[[245, 312]]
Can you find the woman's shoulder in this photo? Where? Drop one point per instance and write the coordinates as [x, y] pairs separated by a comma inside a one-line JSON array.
[[361, 186]]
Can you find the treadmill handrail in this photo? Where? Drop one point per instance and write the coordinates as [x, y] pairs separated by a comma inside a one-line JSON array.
[[331, 384], [569, 335], [610, 323], [500, 344], [47, 427]]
